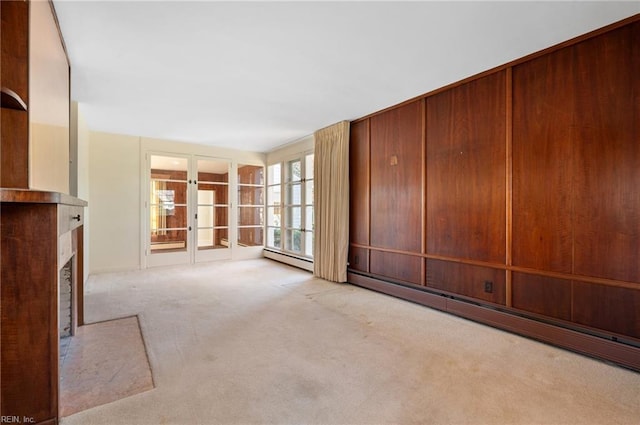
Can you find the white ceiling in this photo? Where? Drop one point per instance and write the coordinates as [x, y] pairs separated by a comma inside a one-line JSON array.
[[256, 75]]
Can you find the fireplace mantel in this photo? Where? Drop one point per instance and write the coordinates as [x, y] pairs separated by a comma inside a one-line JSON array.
[[40, 232]]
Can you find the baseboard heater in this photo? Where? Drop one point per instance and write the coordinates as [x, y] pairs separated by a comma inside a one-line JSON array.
[[611, 349], [302, 263]]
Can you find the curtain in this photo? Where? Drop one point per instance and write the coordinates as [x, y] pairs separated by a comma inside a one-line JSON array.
[[331, 202]]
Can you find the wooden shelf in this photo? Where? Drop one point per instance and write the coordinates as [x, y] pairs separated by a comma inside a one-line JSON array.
[[11, 100], [27, 196]]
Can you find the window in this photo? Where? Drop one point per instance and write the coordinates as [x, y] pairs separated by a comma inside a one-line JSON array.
[[290, 206]]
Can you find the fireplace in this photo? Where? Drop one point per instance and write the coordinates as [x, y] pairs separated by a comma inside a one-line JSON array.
[[65, 308], [66, 294]]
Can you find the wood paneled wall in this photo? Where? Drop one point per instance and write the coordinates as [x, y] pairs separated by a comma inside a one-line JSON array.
[[517, 188]]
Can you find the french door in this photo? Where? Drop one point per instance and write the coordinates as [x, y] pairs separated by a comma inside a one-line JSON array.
[[187, 209]]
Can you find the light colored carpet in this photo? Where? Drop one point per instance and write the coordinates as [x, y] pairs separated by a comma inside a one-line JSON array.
[[259, 342], [105, 362]]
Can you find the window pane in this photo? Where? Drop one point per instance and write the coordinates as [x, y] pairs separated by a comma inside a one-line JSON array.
[[294, 194], [169, 241], [273, 195], [273, 237], [220, 238], [206, 216], [293, 241], [250, 195], [294, 173], [274, 174], [251, 216], [308, 195], [250, 236], [308, 244], [205, 238], [171, 167], [293, 216], [308, 223], [250, 174], [221, 216], [308, 171], [212, 171], [173, 218], [273, 216]]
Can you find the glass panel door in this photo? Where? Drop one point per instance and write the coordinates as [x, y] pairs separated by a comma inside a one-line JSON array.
[[250, 208], [169, 232], [213, 208]]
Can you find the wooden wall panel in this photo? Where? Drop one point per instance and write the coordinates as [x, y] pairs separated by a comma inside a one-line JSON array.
[[359, 259], [359, 183], [396, 178], [543, 101], [535, 166], [466, 155], [611, 308], [466, 279], [542, 295], [14, 137], [607, 148], [402, 267]]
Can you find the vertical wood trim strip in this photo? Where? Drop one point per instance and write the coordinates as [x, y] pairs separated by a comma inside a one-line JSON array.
[[423, 156], [509, 180]]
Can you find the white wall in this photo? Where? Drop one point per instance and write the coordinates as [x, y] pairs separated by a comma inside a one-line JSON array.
[[116, 172], [48, 104], [289, 150], [114, 202]]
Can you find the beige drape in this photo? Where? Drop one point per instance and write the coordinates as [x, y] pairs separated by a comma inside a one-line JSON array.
[[331, 202]]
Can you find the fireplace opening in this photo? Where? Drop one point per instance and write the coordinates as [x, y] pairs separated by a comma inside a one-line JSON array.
[[65, 313]]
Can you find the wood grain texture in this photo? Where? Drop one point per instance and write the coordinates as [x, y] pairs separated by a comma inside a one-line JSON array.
[[542, 295], [39, 197], [29, 330], [396, 178], [607, 307], [14, 145], [543, 101], [466, 155], [358, 259], [467, 280], [359, 150], [606, 127], [15, 47], [406, 268]]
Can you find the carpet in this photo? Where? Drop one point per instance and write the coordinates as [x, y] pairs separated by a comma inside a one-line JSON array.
[[258, 342]]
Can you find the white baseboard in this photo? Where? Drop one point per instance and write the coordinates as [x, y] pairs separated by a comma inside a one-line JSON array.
[[292, 261]]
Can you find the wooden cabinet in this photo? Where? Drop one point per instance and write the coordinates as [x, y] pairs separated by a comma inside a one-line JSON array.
[[14, 76], [514, 196], [35, 68], [40, 233]]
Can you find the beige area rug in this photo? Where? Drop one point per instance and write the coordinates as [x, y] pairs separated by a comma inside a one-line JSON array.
[[105, 362]]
